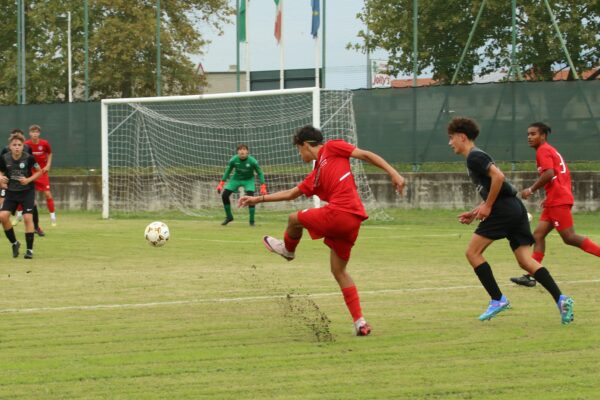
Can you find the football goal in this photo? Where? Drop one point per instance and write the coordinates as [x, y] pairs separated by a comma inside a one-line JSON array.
[[165, 153]]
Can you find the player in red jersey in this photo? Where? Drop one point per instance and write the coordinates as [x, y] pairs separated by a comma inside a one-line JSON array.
[[42, 151], [339, 221], [556, 181]]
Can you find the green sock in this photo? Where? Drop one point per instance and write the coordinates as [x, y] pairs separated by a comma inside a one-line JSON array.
[[251, 210], [228, 211]]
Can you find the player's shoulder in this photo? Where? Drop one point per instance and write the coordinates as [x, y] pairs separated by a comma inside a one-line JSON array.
[[476, 154], [545, 149], [336, 142]]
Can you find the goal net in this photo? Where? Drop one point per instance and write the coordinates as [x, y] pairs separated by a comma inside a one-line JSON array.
[[168, 153]]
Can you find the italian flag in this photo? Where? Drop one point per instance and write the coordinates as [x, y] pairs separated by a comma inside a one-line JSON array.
[[278, 16]]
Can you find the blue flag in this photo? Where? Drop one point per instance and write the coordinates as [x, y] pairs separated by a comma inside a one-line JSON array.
[[316, 18]]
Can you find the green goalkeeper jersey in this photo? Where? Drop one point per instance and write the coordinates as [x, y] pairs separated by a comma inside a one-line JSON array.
[[244, 169]]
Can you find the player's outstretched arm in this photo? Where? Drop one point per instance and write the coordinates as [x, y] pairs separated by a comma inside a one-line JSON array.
[[284, 195], [378, 161]]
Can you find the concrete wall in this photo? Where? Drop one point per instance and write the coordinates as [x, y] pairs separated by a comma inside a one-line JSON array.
[[425, 190]]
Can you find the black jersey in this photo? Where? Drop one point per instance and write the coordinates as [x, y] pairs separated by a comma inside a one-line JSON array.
[[478, 164], [17, 169]]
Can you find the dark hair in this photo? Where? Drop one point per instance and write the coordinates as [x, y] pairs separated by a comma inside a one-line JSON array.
[[543, 128], [463, 125], [308, 134], [16, 130], [35, 128], [242, 146]]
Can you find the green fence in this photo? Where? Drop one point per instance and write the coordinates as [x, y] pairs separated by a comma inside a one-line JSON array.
[[73, 130], [409, 125], [403, 125]]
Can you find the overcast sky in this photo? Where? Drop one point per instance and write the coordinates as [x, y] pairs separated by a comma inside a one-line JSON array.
[[345, 68]]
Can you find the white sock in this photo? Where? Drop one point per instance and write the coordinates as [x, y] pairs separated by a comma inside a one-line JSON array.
[[19, 214], [52, 215]]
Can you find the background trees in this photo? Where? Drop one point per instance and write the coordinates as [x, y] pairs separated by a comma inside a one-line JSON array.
[[122, 47], [444, 26]]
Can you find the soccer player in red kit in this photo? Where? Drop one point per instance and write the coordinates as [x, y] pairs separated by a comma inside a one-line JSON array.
[[339, 221], [556, 181], [42, 151]]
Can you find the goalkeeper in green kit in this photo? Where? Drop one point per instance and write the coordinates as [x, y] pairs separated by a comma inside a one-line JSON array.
[[245, 165]]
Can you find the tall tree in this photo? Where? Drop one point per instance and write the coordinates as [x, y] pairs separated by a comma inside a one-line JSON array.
[[444, 27], [122, 47]]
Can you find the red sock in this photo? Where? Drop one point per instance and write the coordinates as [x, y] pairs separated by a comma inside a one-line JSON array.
[[352, 302], [590, 247], [50, 203], [290, 244], [20, 207], [538, 256]]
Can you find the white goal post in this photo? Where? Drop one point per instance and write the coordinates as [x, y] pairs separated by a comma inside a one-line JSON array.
[[166, 153]]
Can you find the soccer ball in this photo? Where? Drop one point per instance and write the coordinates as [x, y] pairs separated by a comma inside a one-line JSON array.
[[157, 234]]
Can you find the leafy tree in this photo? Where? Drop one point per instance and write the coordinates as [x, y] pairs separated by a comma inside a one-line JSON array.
[[122, 47], [444, 27]]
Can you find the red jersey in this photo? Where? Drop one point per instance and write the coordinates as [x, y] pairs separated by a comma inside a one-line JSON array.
[[558, 190], [332, 179], [40, 151]]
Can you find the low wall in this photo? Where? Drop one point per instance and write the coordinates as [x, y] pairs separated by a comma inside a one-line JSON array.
[[450, 190]]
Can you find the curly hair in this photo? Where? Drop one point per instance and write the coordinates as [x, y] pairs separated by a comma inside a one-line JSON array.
[[463, 125]]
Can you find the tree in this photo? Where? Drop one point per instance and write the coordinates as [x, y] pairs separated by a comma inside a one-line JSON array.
[[444, 27], [122, 47]]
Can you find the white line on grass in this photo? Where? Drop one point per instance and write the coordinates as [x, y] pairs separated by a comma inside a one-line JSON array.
[[248, 298]]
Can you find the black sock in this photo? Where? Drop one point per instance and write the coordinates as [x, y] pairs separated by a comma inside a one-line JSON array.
[[36, 218], [29, 240], [486, 277], [543, 276], [10, 234]]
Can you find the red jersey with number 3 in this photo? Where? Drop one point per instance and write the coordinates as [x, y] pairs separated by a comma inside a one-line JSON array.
[[332, 179], [558, 190], [40, 151]]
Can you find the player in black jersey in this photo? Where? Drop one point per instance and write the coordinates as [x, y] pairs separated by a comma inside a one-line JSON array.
[[18, 218], [18, 170], [502, 215]]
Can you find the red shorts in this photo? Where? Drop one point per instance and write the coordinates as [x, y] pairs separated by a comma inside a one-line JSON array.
[[42, 183], [559, 216], [339, 228]]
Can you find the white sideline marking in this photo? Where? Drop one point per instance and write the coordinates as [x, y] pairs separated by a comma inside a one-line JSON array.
[[248, 298]]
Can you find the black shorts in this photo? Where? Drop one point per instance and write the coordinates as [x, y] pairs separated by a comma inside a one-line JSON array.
[[2, 193], [25, 197], [508, 219]]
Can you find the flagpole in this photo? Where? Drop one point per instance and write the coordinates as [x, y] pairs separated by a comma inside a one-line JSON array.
[[247, 50], [317, 62], [237, 44], [315, 23], [281, 52]]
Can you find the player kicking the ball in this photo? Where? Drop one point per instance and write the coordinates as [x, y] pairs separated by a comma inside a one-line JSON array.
[[555, 178], [339, 221], [502, 215]]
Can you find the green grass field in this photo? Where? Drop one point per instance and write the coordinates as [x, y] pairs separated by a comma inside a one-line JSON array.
[[99, 314]]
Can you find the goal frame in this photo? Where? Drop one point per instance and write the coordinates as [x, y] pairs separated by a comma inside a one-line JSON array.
[[105, 103]]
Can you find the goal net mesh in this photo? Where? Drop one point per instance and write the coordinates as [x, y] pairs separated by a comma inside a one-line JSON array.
[[171, 155]]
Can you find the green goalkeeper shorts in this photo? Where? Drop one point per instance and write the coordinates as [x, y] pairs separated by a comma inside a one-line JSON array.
[[248, 185]]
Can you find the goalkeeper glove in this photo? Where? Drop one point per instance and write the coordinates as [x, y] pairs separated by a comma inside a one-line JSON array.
[[220, 187], [263, 189]]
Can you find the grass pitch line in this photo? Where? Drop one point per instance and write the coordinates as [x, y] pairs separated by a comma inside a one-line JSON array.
[[250, 298]]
